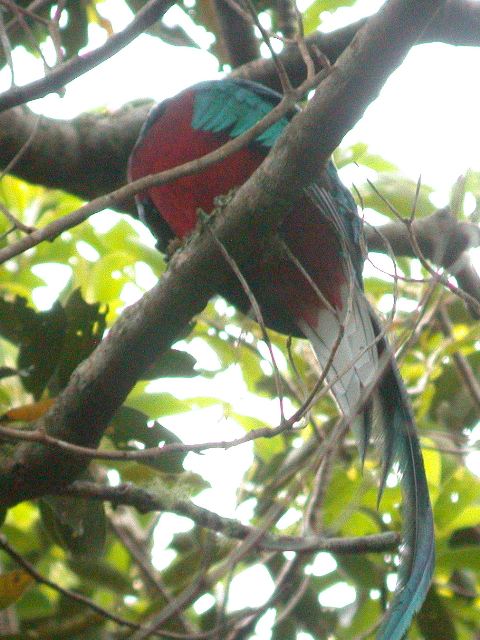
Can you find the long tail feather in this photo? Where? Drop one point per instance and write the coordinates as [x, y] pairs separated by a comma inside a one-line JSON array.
[[353, 369], [401, 445]]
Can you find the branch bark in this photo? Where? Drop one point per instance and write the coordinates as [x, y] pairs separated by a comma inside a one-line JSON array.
[[443, 240], [238, 36], [144, 501], [100, 384], [86, 156]]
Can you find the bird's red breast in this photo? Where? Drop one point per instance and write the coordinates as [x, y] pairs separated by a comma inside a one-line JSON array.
[[172, 141]]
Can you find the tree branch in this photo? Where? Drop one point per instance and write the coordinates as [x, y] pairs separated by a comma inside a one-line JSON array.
[[67, 593], [100, 384], [238, 37], [442, 238], [86, 156], [80, 64], [145, 501], [462, 365], [457, 23]]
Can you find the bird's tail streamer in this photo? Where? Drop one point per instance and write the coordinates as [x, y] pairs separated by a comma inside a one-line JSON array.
[[401, 446], [398, 442]]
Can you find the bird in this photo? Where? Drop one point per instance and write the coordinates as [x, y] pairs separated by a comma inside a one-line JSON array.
[[310, 286]]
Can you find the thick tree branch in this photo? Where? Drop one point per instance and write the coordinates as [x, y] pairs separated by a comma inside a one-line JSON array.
[[109, 138], [100, 384], [238, 37], [86, 156]]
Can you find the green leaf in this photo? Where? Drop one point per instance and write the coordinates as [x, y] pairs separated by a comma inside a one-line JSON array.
[[75, 32], [361, 570], [252, 372], [457, 495], [398, 192], [85, 327], [130, 425], [266, 448], [311, 17], [39, 336], [51, 343], [33, 605], [108, 277], [76, 524], [459, 558], [358, 154], [434, 619], [172, 364], [157, 405], [433, 466], [99, 573], [367, 612], [469, 517]]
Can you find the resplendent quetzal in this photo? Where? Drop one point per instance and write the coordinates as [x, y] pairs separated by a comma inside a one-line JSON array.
[[312, 289]]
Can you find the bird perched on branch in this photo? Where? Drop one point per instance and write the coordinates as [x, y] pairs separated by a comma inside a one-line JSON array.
[[311, 287]]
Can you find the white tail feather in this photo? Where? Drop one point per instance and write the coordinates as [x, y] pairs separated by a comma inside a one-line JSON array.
[[355, 361]]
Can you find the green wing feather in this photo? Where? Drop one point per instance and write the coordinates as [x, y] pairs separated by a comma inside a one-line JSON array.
[[233, 107]]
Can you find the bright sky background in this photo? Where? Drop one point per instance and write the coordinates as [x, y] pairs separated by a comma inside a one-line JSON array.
[[426, 120]]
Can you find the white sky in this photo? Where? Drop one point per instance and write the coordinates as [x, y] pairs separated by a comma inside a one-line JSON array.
[[426, 120]]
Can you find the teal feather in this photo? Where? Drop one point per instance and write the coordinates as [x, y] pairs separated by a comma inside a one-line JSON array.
[[418, 549], [231, 106]]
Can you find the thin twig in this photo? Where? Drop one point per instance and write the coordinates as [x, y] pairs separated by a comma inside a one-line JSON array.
[[409, 224], [15, 9], [313, 513], [282, 74], [439, 277], [258, 317], [17, 224], [7, 49], [54, 31], [179, 603], [72, 595], [139, 556]]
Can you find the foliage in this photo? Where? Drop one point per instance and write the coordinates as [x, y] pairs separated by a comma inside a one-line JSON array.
[[104, 553], [68, 25]]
